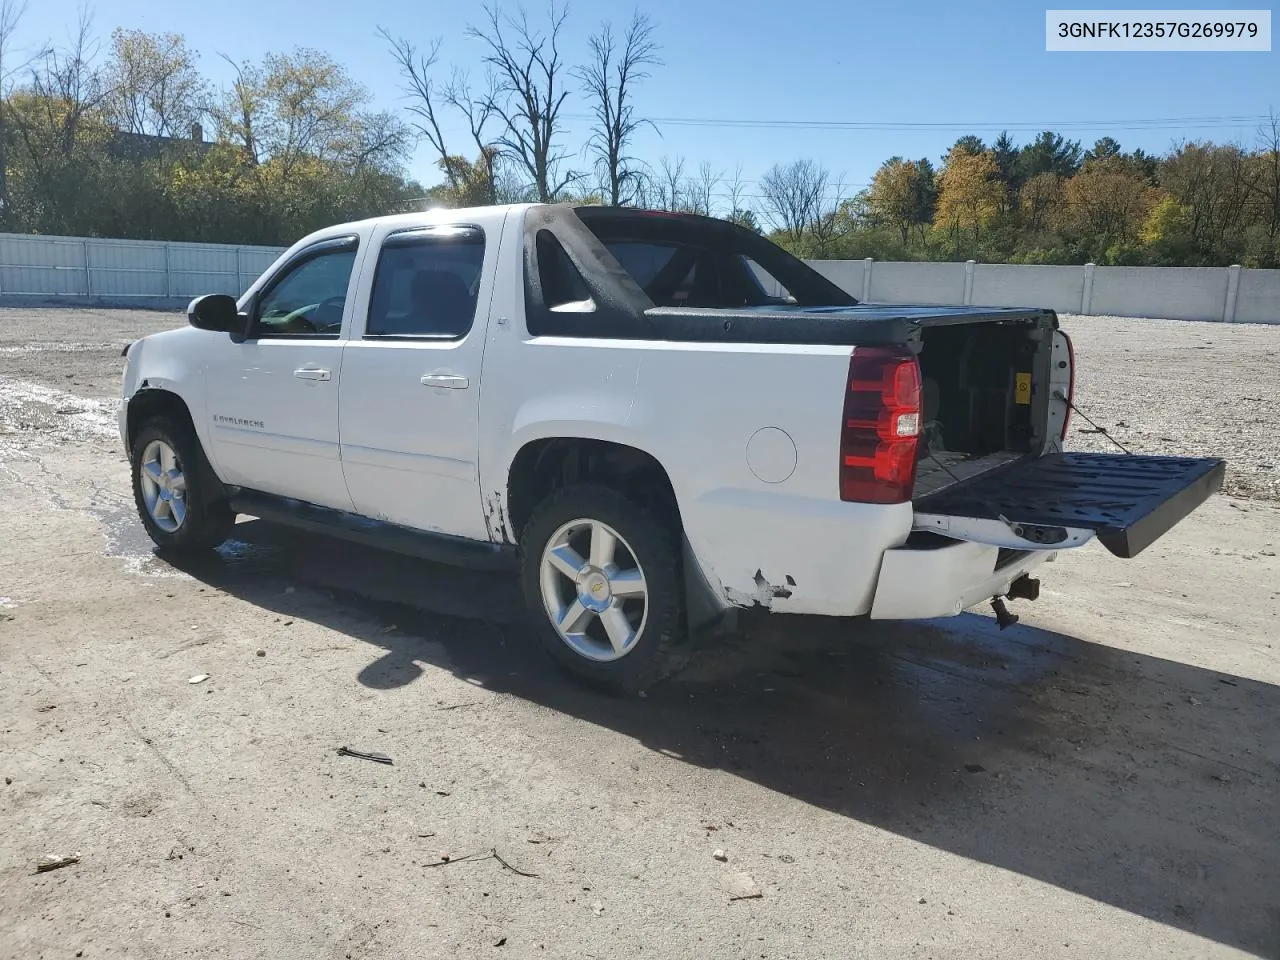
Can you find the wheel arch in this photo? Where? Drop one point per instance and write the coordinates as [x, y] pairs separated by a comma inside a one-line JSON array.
[[152, 403], [544, 464]]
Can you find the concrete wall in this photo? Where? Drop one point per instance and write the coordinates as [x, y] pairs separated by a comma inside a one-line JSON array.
[[1012, 285], [1220, 294], [125, 270], [1258, 297], [1180, 293]]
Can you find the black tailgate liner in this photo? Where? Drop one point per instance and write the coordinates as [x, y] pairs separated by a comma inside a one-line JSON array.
[[1129, 500]]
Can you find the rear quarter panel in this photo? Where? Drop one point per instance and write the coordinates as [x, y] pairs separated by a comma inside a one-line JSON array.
[[771, 531]]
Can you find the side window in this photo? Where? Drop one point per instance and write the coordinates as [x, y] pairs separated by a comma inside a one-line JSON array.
[[308, 298], [563, 288], [769, 285], [426, 284]]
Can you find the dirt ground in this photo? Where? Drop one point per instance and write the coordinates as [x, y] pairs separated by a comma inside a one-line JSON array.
[[1099, 781]]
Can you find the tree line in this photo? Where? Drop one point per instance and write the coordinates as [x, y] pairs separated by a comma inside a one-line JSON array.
[[127, 138], [1051, 201]]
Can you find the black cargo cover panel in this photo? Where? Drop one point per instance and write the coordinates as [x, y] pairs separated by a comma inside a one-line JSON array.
[[1129, 500]]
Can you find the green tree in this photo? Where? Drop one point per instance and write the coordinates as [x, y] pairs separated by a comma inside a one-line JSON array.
[[1050, 153]]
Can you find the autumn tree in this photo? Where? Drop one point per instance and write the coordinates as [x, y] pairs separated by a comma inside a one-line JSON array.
[[57, 137], [1040, 200], [969, 194], [155, 88], [902, 195], [1106, 205], [1215, 184]]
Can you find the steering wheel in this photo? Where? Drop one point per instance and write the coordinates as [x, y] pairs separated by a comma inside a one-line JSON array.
[[297, 320], [329, 308]]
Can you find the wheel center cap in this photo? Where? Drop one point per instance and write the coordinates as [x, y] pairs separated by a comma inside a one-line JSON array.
[[595, 589]]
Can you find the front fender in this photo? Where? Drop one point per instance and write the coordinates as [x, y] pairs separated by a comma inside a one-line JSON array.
[[166, 361]]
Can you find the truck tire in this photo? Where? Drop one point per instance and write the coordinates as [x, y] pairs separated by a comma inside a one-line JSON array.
[[171, 491], [602, 579]]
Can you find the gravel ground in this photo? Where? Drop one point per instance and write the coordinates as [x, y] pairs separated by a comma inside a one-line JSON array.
[[1098, 781], [1182, 388]]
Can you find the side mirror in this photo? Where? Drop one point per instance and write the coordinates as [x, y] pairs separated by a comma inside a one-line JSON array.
[[216, 312]]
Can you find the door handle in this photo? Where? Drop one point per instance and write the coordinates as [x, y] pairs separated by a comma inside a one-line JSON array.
[[445, 380], [311, 373]]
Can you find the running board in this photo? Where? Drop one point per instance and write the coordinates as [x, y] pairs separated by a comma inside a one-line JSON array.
[[436, 547]]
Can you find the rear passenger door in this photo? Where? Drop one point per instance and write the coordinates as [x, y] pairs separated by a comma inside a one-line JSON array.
[[409, 398]]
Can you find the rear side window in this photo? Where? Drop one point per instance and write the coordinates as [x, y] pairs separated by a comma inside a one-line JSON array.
[[770, 285], [563, 288], [427, 283]]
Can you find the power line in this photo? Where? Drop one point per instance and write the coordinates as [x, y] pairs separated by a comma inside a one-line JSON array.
[[1156, 123]]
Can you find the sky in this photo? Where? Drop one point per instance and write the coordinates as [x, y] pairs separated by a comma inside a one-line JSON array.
[[919, 74]]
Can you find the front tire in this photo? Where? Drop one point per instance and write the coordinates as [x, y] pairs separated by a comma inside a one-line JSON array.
[[175, 502], [601, 577]]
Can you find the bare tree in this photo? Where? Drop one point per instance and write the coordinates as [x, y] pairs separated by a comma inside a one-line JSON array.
[[827, 223], [1267, 181], [68, 84], [529, 93], [48, 133], [478, 111], [735, 192], [424, 94], [702, 189], [608, 80], [427, 97], [670, 185], [240, 113], [794, 196]]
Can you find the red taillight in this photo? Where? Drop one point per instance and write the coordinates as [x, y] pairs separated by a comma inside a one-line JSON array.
[[881, 426], [1071, 387]]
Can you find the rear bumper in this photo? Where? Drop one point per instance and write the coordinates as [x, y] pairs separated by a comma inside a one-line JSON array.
[[919, 584]]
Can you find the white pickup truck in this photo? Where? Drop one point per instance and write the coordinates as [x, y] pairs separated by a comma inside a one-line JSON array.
[[657, 419]]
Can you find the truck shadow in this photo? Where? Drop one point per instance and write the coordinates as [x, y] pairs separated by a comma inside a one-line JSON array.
[[1141, 783]]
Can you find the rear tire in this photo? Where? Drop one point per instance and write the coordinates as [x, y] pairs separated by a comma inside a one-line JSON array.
[[181, 511], [601, 577]]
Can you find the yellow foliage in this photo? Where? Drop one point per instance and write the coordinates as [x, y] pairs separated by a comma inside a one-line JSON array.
[[970, 192]]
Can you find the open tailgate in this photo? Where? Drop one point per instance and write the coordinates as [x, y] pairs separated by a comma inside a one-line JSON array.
[[1065, 499]]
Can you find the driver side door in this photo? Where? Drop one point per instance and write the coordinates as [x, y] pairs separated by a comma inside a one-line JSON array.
[[272, 400]]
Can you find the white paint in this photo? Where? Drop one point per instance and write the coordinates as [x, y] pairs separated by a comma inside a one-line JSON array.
[[921, 584], [409, 449], [771, 455]]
